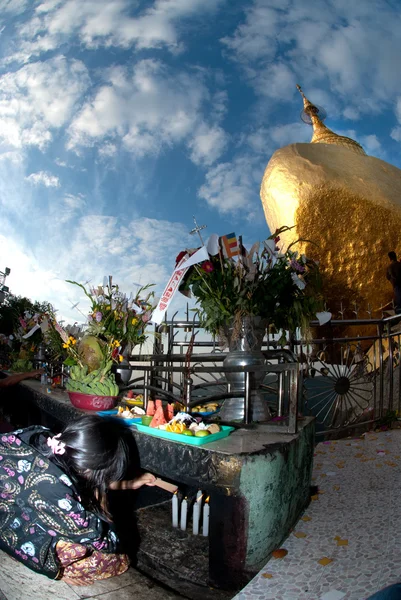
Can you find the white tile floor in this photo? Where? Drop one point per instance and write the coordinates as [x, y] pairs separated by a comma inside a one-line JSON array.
[[354, 522]]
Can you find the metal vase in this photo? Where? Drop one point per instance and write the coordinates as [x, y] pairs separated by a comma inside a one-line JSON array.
[[123, 376], [244, 341]]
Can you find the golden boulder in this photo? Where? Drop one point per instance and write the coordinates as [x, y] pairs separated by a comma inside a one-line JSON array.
[[347, 208]]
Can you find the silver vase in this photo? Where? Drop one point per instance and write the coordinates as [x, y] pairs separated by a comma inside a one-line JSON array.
[[123, 376], [244, 341]]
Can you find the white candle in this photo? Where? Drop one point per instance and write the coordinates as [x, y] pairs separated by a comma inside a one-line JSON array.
[[205, 527], [175, 510], [184, 508], [196, 516]]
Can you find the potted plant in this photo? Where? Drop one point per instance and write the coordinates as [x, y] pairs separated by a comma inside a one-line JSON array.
[[115, 324], [280, 287], [239, 297]]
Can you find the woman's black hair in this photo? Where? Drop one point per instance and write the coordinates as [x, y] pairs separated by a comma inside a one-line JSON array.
[[98, 451]]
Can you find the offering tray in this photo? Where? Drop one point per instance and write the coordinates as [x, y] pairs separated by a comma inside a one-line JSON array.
[[168, 435]]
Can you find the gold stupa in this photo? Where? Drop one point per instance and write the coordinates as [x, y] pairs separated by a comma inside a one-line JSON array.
[[346, 204]]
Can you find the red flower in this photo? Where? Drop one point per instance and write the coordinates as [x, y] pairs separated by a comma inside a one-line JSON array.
[[180, 257], [207, 266], [276, 239]]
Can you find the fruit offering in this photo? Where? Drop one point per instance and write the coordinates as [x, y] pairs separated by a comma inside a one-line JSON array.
[[184, 424], [100, 382], [161, 414], [133, 399], [210, 407], [129, 413]]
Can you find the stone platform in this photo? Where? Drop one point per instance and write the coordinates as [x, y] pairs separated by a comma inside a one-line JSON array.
[[258, 483]]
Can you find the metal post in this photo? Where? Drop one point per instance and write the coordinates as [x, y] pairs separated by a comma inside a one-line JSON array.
[[381, 374], [391, 366], [293, 403], [280, 395], [187, 393], [247, 399], [145, 389], [399, 374]]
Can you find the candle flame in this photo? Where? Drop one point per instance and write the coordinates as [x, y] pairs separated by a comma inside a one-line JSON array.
[[175, 493], [207, 500]]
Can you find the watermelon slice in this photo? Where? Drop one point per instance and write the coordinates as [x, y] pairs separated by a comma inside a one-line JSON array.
[[158, 419], [150, 411]]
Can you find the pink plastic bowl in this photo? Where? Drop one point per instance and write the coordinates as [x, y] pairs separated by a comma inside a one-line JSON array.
[[89, 402]]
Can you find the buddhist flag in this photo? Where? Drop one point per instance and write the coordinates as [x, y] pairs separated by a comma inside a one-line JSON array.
[[230, 245]]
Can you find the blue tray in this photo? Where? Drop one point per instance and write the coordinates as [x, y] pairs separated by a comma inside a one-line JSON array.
[[168, 435], [112, 414], [204, 414]]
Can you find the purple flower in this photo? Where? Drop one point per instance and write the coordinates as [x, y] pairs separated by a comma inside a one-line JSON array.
[[297, 266], [98, 316]]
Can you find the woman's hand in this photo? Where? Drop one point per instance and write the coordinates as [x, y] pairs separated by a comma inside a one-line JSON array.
[[144, 479], [134, 484]]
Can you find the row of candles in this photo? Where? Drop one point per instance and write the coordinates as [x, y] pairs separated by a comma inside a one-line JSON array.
[[180, 516]]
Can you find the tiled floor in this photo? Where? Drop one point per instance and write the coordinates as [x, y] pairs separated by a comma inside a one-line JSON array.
[[354, 522]]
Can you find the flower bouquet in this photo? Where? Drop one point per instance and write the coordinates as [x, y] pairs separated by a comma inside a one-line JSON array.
[[114, 325], [279, 287]]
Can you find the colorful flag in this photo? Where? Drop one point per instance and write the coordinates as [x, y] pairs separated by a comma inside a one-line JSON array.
[[230, 245]]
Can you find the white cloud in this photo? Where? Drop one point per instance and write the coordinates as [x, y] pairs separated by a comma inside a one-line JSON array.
[[371, 144], [103, 23], [255, 38], [60, 163], [12, 6], [207, 144], [230, 187], [37, 99], [142, 250], [353, 45], [147, 108], [12, 156], [43, 178], [108, 150], [396, 134]]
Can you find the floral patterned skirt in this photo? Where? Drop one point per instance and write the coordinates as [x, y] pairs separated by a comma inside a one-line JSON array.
[[82, 566]]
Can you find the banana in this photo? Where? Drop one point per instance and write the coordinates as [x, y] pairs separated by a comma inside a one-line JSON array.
[[110, 386], [100, 382], [107, 367]]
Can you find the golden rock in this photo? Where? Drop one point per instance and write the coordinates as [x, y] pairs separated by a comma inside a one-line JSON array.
[[346, 205]]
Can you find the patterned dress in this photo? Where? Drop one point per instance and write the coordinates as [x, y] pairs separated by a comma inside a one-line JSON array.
[[42, 521]]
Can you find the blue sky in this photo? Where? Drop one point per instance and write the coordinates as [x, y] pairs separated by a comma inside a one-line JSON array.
[[120, 119]]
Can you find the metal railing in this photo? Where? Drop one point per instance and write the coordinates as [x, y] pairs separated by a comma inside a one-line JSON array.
[[349, 377]]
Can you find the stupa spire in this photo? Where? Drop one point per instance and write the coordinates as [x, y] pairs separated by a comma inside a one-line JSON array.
[[321, 133]]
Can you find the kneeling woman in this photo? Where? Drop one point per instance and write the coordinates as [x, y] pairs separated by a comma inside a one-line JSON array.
[[53, 505]]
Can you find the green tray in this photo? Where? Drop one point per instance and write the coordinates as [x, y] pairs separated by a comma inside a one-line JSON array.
[[185, 439]]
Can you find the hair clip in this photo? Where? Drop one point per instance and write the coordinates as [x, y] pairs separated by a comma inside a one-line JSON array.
[[56, 446]]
